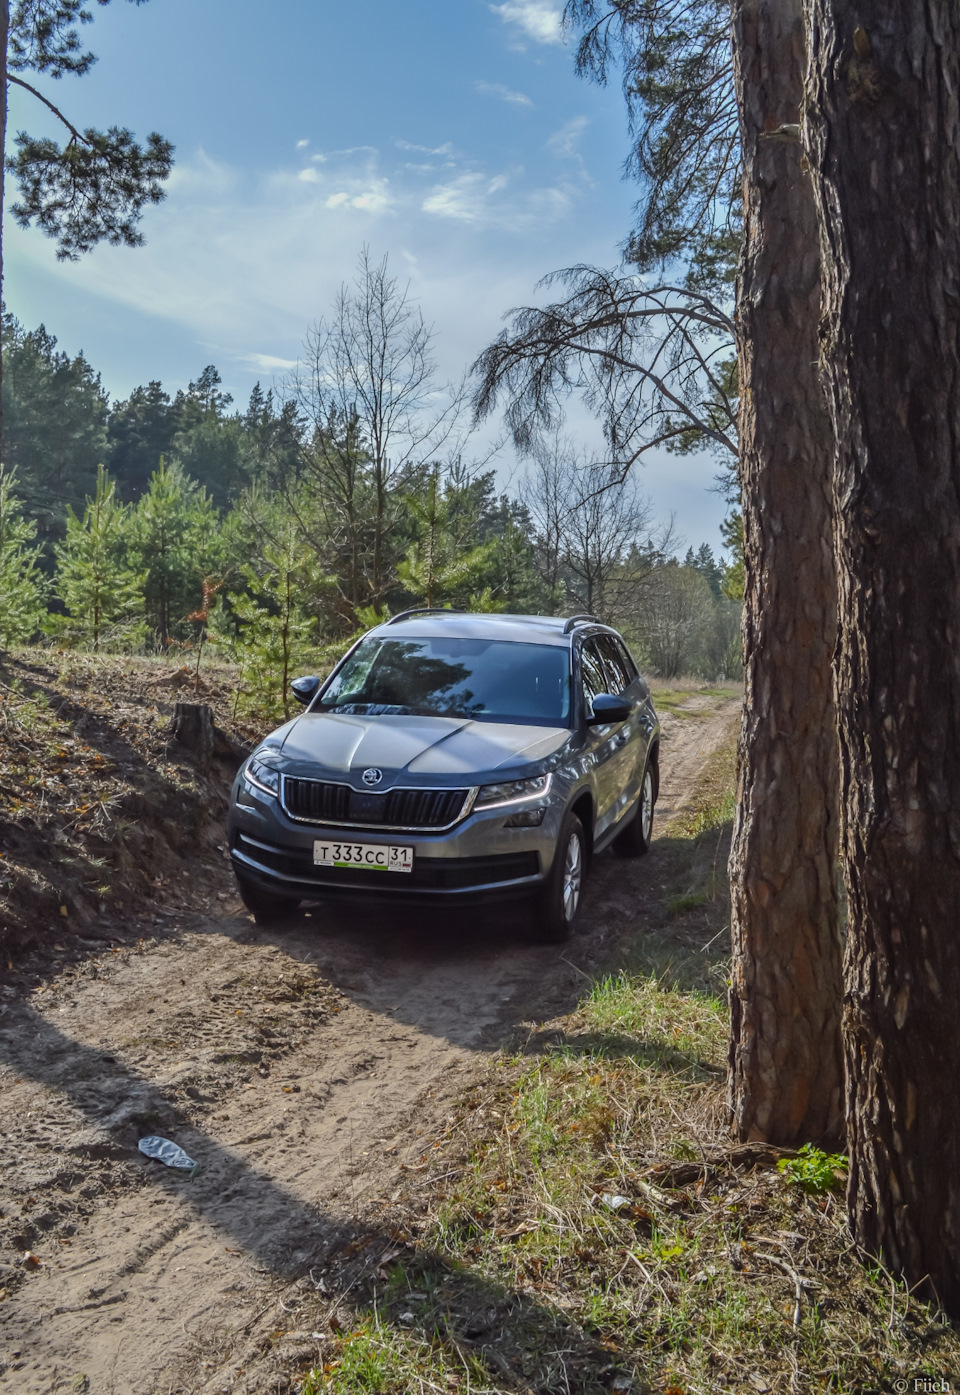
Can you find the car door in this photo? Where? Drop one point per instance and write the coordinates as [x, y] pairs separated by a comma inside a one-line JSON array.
[[629, 742], [602, 743]]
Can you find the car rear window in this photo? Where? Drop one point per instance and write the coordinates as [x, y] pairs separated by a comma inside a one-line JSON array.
[[618, 674], [484, 679]]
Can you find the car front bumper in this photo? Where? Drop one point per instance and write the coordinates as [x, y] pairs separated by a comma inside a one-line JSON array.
[[478, 858]]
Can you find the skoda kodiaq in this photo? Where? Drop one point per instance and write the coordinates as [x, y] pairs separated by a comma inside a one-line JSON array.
[[453, 757]]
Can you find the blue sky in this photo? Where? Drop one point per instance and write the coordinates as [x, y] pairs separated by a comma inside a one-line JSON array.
[[454, 137]]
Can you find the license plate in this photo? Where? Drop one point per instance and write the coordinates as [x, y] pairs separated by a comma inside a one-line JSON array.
[[372, 857]]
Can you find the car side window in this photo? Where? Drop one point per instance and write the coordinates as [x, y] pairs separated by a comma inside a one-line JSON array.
[[592, 677], [629, 665], [619, 677]]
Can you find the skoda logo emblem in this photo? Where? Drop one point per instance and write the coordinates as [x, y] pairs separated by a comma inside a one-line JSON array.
[[372, 776]]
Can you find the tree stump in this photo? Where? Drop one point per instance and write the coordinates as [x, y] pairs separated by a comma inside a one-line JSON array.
[[192, 726]]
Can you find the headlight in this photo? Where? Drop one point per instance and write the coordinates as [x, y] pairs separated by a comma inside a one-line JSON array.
[[265, 777], [512, 792]]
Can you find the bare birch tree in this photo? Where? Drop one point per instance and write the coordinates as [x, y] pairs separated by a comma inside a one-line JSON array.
[[598, 539], [367, 386]]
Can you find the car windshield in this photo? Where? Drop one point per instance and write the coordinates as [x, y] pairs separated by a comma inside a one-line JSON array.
[[483, 679]]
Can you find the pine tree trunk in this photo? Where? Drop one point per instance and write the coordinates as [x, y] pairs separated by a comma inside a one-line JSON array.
[[785, 1077], [883, 134]]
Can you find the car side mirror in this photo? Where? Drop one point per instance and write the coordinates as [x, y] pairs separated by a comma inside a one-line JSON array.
[[305, 689], [608, 708]]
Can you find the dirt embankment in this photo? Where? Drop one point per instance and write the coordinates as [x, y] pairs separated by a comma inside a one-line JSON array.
[[312, 1074], [102, 813]]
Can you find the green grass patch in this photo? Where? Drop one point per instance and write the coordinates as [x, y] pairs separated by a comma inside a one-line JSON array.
[[670, 695], [686, 901], [713, 816], [815, 1171]]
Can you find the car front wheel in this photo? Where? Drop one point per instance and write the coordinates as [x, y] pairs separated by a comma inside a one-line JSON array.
[[560, 898], [636, 838], [266, 907]]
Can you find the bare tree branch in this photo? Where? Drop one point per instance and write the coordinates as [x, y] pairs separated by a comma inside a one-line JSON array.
[[19, 82], [651, 362]]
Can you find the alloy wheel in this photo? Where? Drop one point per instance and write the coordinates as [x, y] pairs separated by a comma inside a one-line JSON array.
[[646, 808], [572, 876]]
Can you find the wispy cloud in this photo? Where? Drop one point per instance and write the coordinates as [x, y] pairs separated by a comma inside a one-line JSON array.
[[368, 197], [445, 149], [492, 202], [268, 363], [302, 144], [565, 142], [462, 199], [497, 89], [538, 19], [242, 264]]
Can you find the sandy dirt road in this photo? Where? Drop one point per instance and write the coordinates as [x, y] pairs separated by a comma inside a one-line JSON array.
[[308, 1072]]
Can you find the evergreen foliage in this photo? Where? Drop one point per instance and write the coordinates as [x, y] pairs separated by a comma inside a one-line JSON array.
[[733, 573], [55, 424], [140, 431], [175, 542], [707, 565], [209, 444], [440, 566], [676, 68], [22, 586], [102, 594], [275, 633], [94, 188], [263, 530]]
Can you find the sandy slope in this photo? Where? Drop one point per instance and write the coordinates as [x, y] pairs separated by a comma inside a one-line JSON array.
[[307, 1072]]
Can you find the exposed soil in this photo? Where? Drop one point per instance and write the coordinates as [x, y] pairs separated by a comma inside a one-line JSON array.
[[311, 1074], [102, 811]]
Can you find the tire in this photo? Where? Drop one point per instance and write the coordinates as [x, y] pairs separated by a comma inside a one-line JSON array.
[[636, 838], [266, 907], [561, 897]]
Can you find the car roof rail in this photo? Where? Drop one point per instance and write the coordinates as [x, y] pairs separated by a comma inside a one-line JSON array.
[[576, 620], [424, 610]]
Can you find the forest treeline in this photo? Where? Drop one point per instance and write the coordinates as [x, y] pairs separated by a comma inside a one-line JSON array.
[[278, 532]]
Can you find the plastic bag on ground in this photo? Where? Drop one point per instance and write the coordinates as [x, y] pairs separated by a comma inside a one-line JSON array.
[[165, 1151]]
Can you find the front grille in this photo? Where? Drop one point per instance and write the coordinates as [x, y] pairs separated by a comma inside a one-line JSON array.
[[315, 801], [309, 799], [439, 873]]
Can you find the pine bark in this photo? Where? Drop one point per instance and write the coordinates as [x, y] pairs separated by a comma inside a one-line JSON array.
[[883, 136], [785, 1068]]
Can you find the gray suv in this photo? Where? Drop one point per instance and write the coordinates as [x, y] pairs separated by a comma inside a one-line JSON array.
[[451, 757]]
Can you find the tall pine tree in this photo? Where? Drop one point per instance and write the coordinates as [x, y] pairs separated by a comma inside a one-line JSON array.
[[441, 567], [175, 541], [274, 630], [100, 590]]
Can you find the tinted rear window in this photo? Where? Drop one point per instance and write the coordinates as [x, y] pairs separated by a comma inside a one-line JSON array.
[[618, 674], [485, 679]]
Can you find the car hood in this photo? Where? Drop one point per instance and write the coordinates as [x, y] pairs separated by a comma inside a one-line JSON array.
[[450, 748]]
